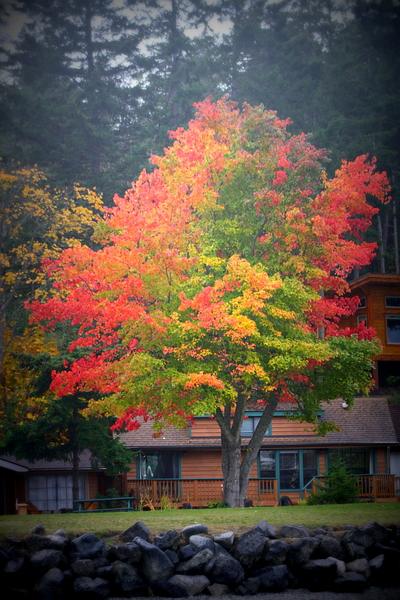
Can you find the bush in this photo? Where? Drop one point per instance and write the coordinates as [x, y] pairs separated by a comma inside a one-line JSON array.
[[337, 487]]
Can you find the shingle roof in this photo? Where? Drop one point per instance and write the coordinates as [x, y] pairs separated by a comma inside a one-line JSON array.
[[53, 465], [368, 422]]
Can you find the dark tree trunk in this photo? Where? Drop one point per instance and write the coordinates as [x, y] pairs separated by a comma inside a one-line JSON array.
[[74, 439], [236, 465]]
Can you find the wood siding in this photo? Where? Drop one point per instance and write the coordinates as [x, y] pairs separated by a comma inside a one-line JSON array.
[[201, 465], [380, 461], [281, 426]]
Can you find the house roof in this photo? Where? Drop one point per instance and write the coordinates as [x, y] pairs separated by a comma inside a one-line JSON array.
[[49, 465], [374, 279], [371, 421]]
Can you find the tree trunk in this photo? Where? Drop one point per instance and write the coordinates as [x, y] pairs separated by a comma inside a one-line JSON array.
[[381, 246], [235, 467], [396, 239], [74, 439]]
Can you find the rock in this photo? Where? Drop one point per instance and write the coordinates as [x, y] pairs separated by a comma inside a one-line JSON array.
[[56, 542], [172, 555], [83, 567], [194, 529], [105, 572], [186, 552], [129, 552], [155, 563], [46, 559], [138, 529], [328, 546], [274, 579], [87, 545], [276, 552], [14, 566], [60, 533], [248, 587], [4, 557], [319, 574], [127, 579], [340, 566], [189, 585], [200, 542], [360, 565], [300, 551], [249, 548], [168, 540], [51, 585], [223, 568], [353, 551], [294, 531], [226, 539], [197, 563], [358, 536], [217, 589], [35, 542], [91, 588], [267, 529], [378, 533], [350, 582], [39, 529]]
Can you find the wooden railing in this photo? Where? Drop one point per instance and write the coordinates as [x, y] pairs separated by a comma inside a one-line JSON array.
[[368, 486], [197, 492]]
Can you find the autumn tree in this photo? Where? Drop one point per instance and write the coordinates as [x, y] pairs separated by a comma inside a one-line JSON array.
[[221, 283]]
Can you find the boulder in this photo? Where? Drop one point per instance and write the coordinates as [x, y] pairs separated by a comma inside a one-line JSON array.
[[223, 568], [194, 529], [56, 542], [319, 574], [46, 559], [340, 566], [249, 547], [248, 587], [360, 565], [87, 545], [300, 551], [328, 546], [189, 585], [276, 552], [168, 540], [35, 542], [267, 529], [173, 556], [138, 529], [127, 579], [15, 566], [186, 552], [83, 567], [200, 542], [294, 531], [358, 536], [350, 582], [85, 587], [155, 563], [60, 533], [225, 539], [353, 551], [39, 529], [274, 579], [378, 533], [129, 552], [51, 585], [218, 589], [197, 563]]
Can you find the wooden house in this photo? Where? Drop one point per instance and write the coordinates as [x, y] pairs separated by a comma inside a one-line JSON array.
[[380, 308], [184, 466]]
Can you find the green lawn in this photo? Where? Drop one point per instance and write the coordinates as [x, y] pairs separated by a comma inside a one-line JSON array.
[[222, 519]]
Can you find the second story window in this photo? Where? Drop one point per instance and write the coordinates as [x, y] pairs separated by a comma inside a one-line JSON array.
[[393, 329], [392, 301], [249, 425], [362, 319]]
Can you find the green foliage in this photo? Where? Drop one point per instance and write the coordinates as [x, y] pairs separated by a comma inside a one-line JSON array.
[[337, 487]]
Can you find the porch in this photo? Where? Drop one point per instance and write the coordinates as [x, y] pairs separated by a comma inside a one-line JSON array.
[[156, 493]]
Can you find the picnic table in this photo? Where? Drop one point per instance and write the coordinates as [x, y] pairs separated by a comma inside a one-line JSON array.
[[100, 504]]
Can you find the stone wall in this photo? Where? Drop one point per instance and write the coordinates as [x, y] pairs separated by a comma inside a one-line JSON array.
[[190, 562]]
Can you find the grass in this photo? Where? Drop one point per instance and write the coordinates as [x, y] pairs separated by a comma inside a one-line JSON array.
[[217, 519]]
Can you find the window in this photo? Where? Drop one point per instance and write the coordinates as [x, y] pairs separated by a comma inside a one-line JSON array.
[[362, 302], [393, 329], [310, 465], [357, 460], [249, 425], [53, 492], [159, 465], [267, 464], [289, 467], [392, 301], [362, 319]]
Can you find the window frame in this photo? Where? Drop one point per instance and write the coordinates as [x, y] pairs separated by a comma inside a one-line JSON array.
[[143, 454], [387, 305], [396, 318], [300, 452], [254, 418]]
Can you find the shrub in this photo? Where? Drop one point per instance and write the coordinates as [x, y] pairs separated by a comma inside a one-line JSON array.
[[338, 487]]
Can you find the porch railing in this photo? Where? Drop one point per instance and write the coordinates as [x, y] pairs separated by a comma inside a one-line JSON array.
[[197, 492], [368, 486]]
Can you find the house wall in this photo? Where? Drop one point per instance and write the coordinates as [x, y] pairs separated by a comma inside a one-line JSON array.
[[281, 426]]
